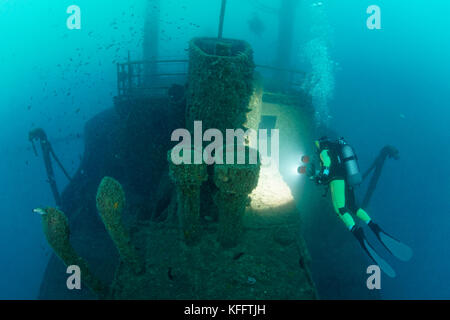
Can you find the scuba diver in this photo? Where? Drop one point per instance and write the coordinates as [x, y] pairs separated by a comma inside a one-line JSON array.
[[339, 171]]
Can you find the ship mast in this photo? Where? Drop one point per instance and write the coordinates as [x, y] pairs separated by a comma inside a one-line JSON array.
[[151, 38], [283, 60], [222, 17]]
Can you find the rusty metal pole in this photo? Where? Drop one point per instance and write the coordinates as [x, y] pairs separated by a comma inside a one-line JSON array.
[[222, 17]]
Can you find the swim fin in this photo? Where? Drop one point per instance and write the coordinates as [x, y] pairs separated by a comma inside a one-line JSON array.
[[398, 249], [358, 232]]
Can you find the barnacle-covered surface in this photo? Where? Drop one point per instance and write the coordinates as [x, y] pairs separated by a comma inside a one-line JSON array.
[[57, 232], [188, 179], [269, 262], [200, 236], [110, 204], [220, 82], [129, 143], [272, 191], [255, 105], [234, 182]]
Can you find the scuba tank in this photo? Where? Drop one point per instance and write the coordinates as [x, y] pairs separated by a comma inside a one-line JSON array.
[[350, 163]]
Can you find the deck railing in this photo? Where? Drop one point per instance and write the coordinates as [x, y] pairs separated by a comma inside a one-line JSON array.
[[155, 77], [149, 77]]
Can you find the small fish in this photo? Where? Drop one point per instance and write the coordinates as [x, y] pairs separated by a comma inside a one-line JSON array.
[[40, 211], [169, 273], [238, 255], [251, 280]]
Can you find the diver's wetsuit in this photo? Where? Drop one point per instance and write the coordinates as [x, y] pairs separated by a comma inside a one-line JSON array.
[[342, 195], [333, 173]]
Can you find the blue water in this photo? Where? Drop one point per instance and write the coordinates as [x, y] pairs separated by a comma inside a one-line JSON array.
[[391, 87], [402, 70]]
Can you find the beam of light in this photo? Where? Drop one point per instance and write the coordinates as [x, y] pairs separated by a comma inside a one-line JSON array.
[[271, 191]]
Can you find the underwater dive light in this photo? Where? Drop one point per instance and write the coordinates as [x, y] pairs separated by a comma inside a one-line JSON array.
[[303, 169]]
